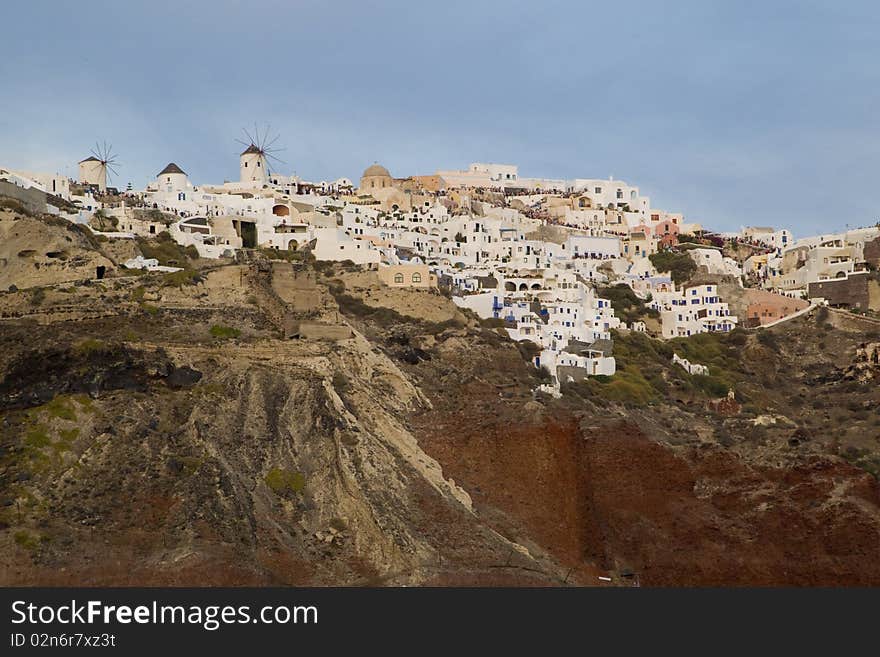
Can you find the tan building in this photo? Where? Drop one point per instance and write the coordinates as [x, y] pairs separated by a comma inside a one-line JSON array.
[[407, 276], [375, 177], [429, 183], [765, 307]]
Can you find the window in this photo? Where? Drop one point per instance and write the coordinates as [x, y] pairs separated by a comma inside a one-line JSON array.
[[417, 278], [598, 190], [398, 278]]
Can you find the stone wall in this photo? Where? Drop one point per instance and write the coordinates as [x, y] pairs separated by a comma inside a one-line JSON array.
[[855, 291], [872, 252]]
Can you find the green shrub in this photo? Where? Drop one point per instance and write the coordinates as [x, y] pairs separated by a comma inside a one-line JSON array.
[[353, 306], [61, 408], [28, 541], [89, 346], [768, 339], [326, 267], [68, 435], [679, 265], [164, 249], [627, 385], [281, 254], [181, 278], [37, 437], [224, 332], [738, 337], [280, 481], [624, 301], [711, 385]]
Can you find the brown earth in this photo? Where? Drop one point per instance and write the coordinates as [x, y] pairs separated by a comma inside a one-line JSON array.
[[615, 501]]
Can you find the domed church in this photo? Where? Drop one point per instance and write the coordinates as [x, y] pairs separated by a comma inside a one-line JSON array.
[[375, 177]]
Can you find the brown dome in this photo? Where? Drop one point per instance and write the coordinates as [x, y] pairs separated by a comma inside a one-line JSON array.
[[376, 170]]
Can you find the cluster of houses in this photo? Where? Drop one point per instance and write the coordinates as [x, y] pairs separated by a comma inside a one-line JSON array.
[[836, 268], [529, 253]]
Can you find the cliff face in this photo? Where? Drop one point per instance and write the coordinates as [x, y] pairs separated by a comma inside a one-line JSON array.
[[247, 464], [42, 251], [155, 431]]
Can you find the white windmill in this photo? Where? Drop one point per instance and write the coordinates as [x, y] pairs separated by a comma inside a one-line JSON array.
[[99, 166], [255, 161]]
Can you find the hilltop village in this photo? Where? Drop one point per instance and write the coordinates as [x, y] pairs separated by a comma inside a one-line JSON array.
[[560, 263], [464, 378]]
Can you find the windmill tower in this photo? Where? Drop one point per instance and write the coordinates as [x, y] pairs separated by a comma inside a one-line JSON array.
[[96, 169], [254, 162]]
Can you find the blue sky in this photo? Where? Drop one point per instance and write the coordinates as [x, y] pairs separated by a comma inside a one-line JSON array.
[[734, 113]]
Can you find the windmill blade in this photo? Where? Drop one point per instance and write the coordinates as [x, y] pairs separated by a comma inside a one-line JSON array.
[[268, 146], [269, 156], [249, 136], [273, 157], [266, 143]]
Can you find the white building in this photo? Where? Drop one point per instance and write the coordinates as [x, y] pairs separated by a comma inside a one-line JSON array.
[[337, 245], [696, 309], [50, 183]]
